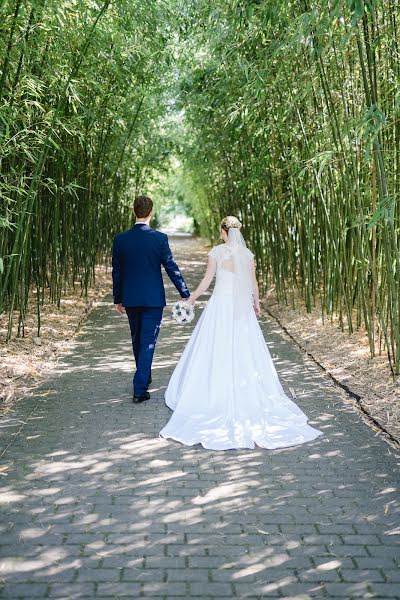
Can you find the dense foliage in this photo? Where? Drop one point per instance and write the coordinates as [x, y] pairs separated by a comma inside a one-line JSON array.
[[293, 108], [283, 113], [79, 123]]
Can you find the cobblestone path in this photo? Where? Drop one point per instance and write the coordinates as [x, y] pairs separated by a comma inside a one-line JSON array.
[[95, 505]]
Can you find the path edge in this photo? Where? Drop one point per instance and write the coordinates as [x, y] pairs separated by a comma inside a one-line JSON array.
[[367, 417]]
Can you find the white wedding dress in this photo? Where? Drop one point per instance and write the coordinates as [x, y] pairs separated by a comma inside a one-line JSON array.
[[224, 391]]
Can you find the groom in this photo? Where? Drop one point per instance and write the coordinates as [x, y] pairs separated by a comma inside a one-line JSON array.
[[138, 287]]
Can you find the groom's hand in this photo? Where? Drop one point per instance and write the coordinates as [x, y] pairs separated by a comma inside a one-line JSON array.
[[120, 309]]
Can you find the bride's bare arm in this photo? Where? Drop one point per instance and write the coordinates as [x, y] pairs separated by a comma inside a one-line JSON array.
[[206, 281], [256, 294]]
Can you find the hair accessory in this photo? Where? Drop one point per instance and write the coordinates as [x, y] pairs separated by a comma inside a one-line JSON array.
[[231, 222]]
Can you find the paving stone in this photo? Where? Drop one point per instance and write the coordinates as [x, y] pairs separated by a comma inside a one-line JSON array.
[[383, 562], [29, 590], [143, 574], [273, 588], [176, 589], [71, 590], [96, 505], [195, 575], [212, 588], [319, 575], [349, 590], [362, 539], [98, 575], [390, 590], [165, 562], [392, 575], [362, 575]]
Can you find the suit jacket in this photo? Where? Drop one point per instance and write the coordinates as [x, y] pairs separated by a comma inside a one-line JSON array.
[[138, 254]]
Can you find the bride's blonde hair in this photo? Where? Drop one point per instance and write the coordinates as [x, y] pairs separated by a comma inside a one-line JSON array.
[[230, 222]]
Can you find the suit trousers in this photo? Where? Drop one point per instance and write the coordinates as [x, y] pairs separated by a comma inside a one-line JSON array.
[[144, 322]]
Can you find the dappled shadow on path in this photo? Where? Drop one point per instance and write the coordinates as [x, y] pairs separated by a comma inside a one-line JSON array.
[[96, 504]]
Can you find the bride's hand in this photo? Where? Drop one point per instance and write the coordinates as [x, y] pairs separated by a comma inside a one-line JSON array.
[[191, 300], [257, 309]]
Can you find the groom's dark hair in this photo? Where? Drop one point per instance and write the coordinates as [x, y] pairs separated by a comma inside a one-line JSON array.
[[143, 206]]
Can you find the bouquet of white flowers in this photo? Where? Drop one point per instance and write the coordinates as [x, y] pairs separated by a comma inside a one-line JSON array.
[[183, 312]]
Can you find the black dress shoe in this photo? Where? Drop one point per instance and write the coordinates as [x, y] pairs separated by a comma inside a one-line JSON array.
[[141, 398]]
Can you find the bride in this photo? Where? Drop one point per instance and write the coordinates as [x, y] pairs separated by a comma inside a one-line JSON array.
[[224, 391]]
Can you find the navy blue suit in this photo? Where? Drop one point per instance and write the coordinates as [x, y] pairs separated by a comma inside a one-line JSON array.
[[137, 257]]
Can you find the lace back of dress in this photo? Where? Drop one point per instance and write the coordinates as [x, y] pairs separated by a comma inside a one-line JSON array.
[[227, 263]]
